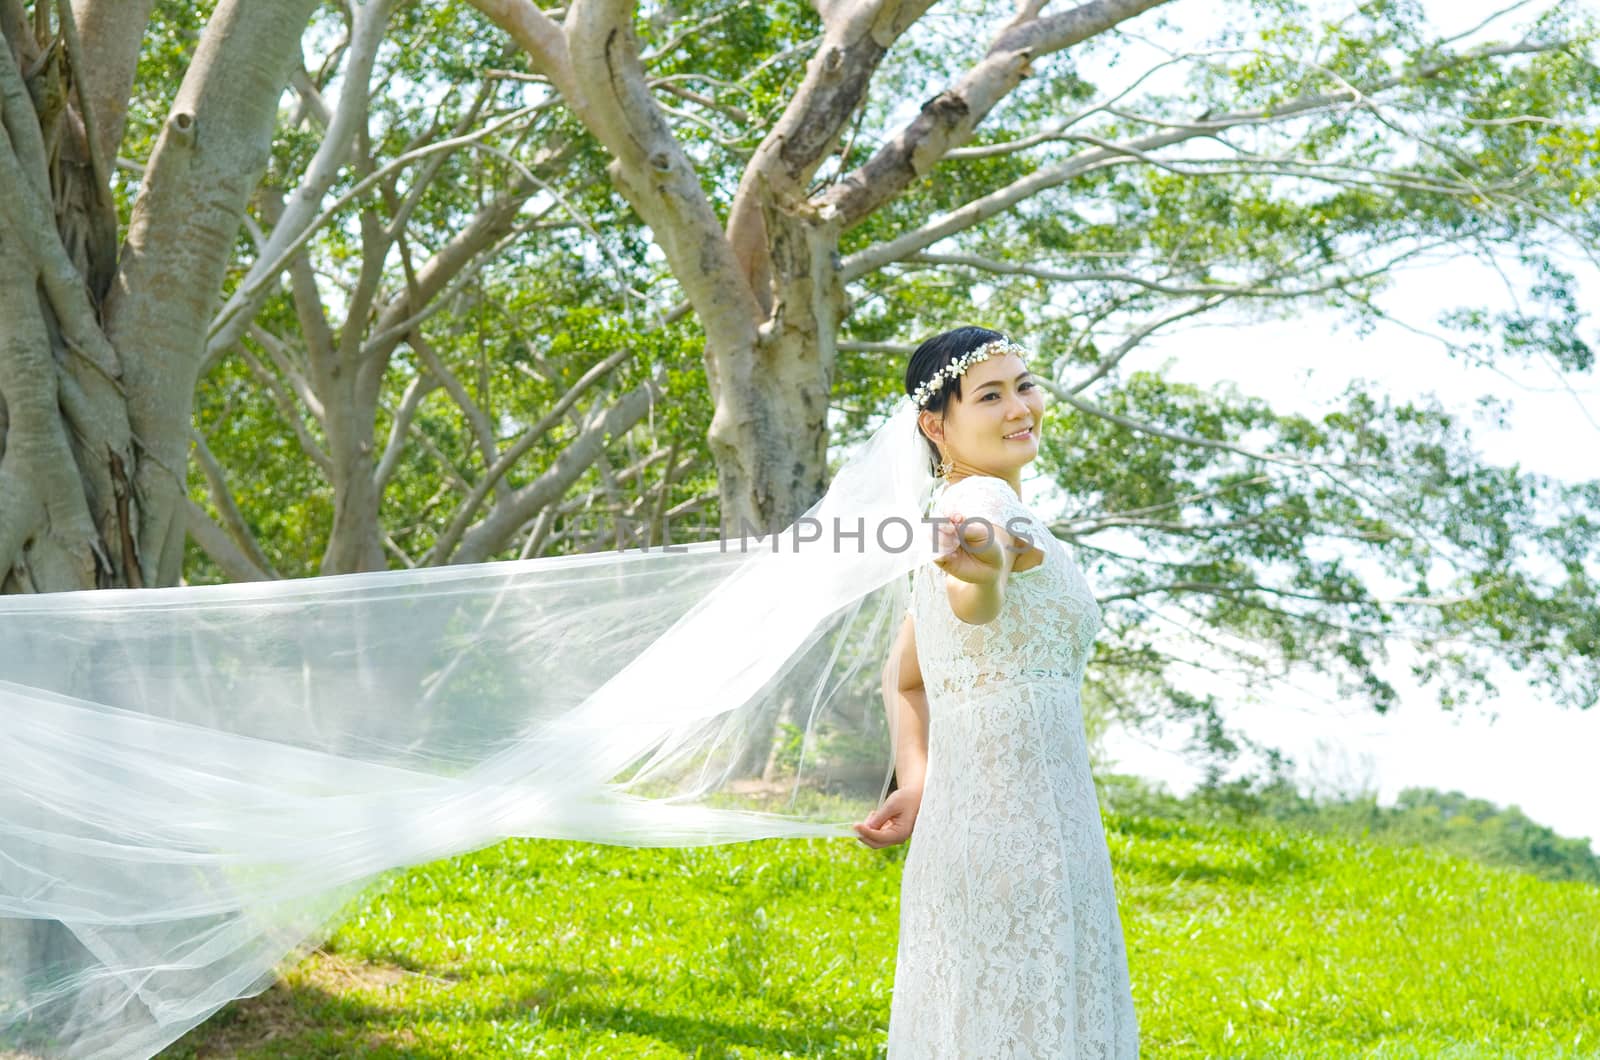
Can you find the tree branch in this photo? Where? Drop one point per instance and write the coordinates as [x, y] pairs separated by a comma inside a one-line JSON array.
[[855, 39], [312, 105], [31, 219], [222, 499], [403, 313], [652, 171], [349, 120], [979, 210], [541, 38], [215, 542], [361, 187], [502, 521], [400, 426], [185, 222], [111, 32], [41, 493], [286, 409], [949, 118], [1420, 532], [281, 359], [19, 516], [612, 98], [477, 421], [89, 106], [446, 543]]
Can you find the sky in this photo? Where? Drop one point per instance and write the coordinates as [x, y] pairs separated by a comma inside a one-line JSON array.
[[1521, 749]]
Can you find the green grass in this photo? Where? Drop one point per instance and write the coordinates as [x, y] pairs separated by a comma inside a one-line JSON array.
[[1269, 943], [1244, 941]]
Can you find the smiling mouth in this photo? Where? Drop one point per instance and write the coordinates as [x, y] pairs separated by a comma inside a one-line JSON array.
[[1020, 435]]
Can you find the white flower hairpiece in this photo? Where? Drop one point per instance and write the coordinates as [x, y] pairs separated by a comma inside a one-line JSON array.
[[959, 366]]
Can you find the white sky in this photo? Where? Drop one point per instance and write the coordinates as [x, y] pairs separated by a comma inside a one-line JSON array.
[[1522, 749], [1534, 754]]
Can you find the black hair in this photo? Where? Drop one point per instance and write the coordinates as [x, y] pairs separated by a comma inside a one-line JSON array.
[[937, 353]]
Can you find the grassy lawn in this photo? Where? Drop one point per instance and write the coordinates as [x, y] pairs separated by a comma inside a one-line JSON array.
[[1243, 942]]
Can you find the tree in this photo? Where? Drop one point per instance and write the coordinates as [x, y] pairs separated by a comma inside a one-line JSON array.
[[475, 292]]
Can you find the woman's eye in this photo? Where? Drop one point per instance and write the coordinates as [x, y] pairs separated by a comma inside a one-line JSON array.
[[995, 393]]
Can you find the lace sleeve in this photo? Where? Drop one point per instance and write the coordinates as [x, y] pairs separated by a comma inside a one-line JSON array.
[[990, 498]]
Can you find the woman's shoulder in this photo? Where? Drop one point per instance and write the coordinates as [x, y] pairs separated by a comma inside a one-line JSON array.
[[981, 495]]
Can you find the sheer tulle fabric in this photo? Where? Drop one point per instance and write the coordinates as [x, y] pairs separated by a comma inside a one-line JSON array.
[[197, 779]]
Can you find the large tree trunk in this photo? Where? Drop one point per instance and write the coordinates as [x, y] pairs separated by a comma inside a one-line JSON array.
[[99, 353], [773, 465]]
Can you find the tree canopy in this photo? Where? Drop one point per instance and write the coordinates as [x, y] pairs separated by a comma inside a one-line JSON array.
[[306, 287]]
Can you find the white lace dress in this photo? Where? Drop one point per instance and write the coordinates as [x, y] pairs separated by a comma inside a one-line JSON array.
[[1010, 941]]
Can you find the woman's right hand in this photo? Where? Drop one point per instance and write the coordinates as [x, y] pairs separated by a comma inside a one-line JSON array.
[[972, 551], [892, 822]]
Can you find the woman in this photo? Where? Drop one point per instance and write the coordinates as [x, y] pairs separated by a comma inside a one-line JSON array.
[[1010, 940]]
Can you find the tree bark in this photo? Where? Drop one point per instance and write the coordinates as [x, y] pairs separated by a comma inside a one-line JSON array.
[[205, 165]]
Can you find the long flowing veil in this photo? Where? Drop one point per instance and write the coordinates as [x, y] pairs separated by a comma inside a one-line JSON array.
[[196, 779]]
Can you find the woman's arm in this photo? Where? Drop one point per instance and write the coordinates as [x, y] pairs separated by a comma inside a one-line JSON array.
[[911, 701], [982, 528], [908, 700], [977, 571]]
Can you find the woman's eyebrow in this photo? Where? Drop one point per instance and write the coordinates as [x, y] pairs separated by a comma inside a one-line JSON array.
[[996, 382]]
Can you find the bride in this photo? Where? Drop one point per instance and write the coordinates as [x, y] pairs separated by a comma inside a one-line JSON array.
[[1010, 940]]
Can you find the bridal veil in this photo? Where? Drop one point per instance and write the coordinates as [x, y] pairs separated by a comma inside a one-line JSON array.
[[197, 779]]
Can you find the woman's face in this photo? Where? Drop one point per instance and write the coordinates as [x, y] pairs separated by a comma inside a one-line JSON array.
[[980, 431]]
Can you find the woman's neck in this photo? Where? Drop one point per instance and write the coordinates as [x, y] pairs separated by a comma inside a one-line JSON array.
[[1016, 485]]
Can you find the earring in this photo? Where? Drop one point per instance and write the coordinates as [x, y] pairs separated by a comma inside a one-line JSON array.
[[946, 466]]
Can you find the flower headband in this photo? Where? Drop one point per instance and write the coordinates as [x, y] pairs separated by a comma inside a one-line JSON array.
[[959, 366]]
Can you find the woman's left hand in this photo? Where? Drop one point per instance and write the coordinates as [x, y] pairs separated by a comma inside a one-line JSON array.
[[892, 822]]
